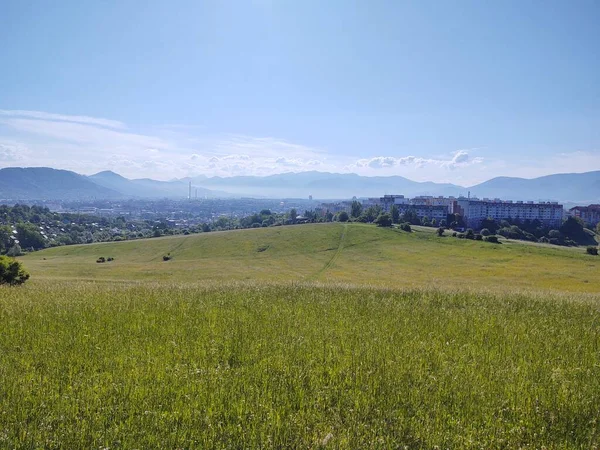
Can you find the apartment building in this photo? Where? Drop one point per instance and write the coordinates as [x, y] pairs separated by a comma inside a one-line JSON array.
[[474, 211], [589, 214]]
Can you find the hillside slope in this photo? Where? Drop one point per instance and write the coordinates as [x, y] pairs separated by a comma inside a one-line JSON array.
[[352, 253]]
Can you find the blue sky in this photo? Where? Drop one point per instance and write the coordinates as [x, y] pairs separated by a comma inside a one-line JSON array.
[[443, 91]]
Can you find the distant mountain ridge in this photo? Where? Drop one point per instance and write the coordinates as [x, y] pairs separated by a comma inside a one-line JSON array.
[[147, 188], [42, 183]]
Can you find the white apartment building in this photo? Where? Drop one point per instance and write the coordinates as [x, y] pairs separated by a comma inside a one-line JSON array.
[[474, 211], [430, 207]]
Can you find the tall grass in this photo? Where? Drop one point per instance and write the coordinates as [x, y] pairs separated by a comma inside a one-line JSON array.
[[84, 365]]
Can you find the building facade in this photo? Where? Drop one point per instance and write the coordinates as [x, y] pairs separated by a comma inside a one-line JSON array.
[[589, 214], [474, 211]]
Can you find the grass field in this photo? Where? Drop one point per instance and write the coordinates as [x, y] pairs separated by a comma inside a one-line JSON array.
[[317, 336], [355, 253]]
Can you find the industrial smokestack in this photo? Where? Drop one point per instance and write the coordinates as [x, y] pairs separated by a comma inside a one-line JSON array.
[[190, 192]]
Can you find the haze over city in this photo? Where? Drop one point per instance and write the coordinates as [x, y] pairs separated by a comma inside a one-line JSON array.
[[430, 91]]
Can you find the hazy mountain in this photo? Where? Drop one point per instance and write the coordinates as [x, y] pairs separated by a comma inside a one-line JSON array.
[[45, 183], [147, 188], [578, 188], [582, 188], [42, 183], [325, 185]]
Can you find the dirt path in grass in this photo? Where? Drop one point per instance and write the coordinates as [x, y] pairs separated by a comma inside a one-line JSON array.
[[335, 255]]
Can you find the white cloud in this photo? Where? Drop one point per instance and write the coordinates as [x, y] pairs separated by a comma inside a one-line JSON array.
[[12, 151], [87, 145], [63, 118], [460, 159]]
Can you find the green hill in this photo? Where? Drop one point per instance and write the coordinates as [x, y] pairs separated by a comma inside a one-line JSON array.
[[145, 353], [349, 253]]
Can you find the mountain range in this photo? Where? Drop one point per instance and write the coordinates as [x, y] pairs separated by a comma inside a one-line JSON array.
[[42, 183]]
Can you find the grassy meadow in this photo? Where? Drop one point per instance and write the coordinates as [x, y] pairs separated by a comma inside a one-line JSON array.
[[353, 253], [316, 336]]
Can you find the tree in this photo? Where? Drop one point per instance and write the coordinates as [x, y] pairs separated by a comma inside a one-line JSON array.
[[490, 224], [5, 238], [293, 215], [384, 220], [30, 237], [440, 231], [15, 250], [573, 228], [395, 213], [410, 216], [343, 216], [485, 232], [356, 209], [12, 272]]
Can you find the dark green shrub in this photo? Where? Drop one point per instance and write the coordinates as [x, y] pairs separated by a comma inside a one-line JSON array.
[[478, 237], [592, 250], [485, 232], [493, 239], [384, 220], [406, 227], [101, 259], [167, 257], [440, 231], [12, 272]]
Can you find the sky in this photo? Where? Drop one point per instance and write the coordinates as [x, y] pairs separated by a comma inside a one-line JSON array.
[[441, 91]]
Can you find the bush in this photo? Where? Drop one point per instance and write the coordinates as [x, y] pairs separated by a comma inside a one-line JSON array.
[[554, 234], [478, 237], [167, 257], [384, 220], [485, 232], [101, 259], [592, 250], [110, 258], [405, 226], [343, 216], [470, 234], [440, 231], [454, 234], [493, 239], [12, 272], [461, 235]]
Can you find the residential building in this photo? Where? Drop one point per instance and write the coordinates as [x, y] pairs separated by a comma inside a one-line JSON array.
[[589, 214], [474, 211]]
